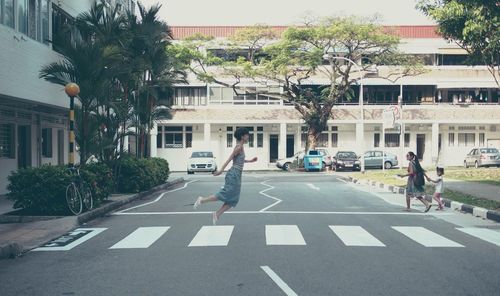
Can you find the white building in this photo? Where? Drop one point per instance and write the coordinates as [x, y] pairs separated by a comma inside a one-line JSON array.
[[33, 112], [445, 112]]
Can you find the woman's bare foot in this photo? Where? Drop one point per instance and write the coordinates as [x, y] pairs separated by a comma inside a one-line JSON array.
[[407, 210], [197, 203]]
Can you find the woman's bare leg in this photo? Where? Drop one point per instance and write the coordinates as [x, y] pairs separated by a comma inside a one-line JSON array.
[[208, 199], [222, 209], [408, 202]]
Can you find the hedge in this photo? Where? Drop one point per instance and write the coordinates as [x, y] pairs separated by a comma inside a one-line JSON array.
[[42, 190], [136, 175]]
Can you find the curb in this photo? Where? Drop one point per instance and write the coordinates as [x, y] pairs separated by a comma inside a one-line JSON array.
[[14, 249], [475, 211]]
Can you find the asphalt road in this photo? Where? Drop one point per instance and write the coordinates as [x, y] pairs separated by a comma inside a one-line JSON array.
[[291, 234]]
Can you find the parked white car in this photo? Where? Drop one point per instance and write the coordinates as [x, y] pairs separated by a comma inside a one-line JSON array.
[[201, 161]]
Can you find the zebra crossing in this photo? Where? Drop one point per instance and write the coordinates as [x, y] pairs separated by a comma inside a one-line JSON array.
[[275, 235]]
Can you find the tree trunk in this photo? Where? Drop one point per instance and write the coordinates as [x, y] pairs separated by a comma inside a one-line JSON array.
[[312, 138]]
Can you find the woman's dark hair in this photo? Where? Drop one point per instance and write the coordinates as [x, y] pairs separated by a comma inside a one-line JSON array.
[[440, 170], [240, 132], [414, 158]]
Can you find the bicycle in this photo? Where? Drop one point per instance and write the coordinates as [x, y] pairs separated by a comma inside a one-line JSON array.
[[78, 193]]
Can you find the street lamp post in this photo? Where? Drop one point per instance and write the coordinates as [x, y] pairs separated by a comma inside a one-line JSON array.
[[72, 90], [331, 57]]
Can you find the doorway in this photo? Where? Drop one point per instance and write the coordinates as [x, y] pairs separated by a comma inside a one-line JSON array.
[[60, 147], [23, 146], [273, 148], [420, 146], [290, 145]]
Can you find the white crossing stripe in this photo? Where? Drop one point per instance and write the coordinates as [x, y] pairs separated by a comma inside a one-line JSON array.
[[284, 235], [426, 237], [212, 236], [488, 235], [141, 238], [355, 236]]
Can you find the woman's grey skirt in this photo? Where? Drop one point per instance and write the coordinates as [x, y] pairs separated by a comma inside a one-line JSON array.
[[230, 193]]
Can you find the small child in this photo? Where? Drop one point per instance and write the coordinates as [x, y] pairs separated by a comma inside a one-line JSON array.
[[439, 187]]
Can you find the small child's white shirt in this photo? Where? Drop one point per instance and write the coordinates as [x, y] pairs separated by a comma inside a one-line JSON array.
[[439, 185]]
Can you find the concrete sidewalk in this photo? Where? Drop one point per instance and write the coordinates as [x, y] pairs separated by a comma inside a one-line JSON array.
[[481, 190]]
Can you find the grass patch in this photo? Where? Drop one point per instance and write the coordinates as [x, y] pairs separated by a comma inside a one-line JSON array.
[[481, 175], [388, 178]]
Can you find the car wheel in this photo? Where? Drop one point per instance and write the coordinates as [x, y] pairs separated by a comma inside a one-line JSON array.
[[286, 166], [388, 165], [465, 164], [476, 165], [190, 173]]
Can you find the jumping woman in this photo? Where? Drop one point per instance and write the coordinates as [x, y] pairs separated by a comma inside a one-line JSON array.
[[230, 193], [415, 186]]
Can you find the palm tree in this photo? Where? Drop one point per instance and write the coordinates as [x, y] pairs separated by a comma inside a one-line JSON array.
[[154, 68]]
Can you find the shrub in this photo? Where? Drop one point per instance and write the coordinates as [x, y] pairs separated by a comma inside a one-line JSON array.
[[42, 190], [136, 175]]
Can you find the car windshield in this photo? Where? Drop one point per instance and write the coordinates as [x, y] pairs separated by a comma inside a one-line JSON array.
[[314, 152], [489, 150], [346, 155], [202, 155]]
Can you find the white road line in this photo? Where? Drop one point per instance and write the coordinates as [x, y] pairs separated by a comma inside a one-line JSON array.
[[156, 200], [95, 231], [263, 192], [355, 236], [290, 212], [287, 235], [141, 238], [312, 186], [276, 279], [426, 237], [342, 180], [212, 236], [488, 235]]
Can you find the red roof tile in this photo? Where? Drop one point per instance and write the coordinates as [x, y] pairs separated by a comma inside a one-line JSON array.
[[181, 32]]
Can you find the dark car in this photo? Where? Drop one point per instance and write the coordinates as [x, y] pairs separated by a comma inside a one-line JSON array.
[[346, 160]]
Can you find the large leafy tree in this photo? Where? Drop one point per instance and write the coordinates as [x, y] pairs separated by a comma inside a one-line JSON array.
[[298, 57], [472, 24]]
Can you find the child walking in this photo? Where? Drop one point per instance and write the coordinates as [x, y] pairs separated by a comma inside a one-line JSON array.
[[439, 187], [230, 193]]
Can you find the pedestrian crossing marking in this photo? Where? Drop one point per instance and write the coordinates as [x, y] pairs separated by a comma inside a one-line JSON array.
[[488, 235], [288, 235], [212, 236], [355, 236], [141, 238], [426, 237], [71, 239]]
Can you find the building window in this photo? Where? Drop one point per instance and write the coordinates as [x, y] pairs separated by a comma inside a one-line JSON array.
[[391, 140], [7, 13], [376, 140], [189, 136], [407, 140], [466, 139], [260, 140], [229, 140], [451, 139], [159, 137], [47, 142], [335, 140], [190, 96], [173, 137], [481, 139], [7, 141]]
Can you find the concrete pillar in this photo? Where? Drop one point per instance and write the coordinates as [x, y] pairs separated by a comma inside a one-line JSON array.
[[435, 143], [298, 139], [153, 150], [206, 135], [282, 141], [402, 148]]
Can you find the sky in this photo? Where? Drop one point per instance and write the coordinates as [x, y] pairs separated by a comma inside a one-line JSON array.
[[283, 12]]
